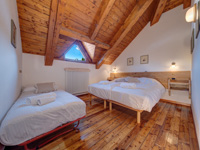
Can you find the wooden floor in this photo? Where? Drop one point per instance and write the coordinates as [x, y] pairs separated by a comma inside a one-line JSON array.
[[168, 127]]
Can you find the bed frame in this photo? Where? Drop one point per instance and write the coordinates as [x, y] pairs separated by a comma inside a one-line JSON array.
[[113, 102], [25, 144]]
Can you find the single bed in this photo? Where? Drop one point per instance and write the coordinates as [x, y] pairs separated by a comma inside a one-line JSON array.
[[141, 98], [24, 122]]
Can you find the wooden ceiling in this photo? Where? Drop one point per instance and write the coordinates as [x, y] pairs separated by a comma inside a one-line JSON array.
[[49, 27]]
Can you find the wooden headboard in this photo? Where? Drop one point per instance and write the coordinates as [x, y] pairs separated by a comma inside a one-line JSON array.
[[162, 77]]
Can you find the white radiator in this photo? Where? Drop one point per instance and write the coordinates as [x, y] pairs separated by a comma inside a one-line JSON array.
[[76, 80]]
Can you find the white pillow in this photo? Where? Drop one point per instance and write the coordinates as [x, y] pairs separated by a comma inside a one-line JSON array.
[[29, 88], [120, 80], [45, 87], [132, 80]]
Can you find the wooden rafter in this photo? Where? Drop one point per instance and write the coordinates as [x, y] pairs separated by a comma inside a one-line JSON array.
[[55, 22], [186, 3], [78, 36], [136, 13], [52, 23], [158, 11], [101, 17]]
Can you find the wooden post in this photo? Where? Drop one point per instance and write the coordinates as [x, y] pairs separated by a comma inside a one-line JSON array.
[[189, 86], [138, 116], [104, 104], [110, 106], [90, 95]]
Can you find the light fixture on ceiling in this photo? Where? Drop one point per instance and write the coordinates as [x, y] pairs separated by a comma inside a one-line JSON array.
[[190, 15], [173, 65]]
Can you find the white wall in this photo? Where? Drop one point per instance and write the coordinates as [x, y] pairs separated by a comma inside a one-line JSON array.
[[34, 71], [165, 42], [10, 58], [196, 85]]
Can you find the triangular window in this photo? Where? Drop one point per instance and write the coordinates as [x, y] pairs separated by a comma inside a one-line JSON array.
[[75, 53]]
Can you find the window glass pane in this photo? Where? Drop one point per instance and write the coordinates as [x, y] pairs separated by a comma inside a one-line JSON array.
[[74, 53]]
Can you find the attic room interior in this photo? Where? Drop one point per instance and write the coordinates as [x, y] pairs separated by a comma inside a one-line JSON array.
[[99, 74]]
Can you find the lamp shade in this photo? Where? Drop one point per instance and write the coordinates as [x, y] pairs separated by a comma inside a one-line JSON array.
[[191, 14]]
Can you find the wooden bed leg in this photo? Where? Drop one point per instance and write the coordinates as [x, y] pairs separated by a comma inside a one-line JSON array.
[[104, 104], [90, 95], [138, 116], [110, 106]]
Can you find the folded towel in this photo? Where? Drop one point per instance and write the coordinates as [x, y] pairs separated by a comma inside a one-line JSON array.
[[46, 100], [104, 82], [33, 100], [128, 85]]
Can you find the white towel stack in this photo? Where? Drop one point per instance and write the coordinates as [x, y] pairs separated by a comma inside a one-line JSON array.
[[128, 85], [41, 99]]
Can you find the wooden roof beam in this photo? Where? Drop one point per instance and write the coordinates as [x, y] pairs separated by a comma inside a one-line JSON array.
[[186, 3], [84, 38], [131, 20], [158, 11], [101, 17], [55, 21]]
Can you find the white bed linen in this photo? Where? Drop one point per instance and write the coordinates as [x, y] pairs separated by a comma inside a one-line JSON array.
[[143, 97], [24, 122], [102, 90]]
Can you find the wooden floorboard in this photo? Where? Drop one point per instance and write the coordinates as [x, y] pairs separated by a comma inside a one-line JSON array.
[[167, 126]]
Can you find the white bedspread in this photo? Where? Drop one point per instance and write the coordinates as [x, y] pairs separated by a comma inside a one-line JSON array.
[[102, 90], [144, 97], [24, 122]]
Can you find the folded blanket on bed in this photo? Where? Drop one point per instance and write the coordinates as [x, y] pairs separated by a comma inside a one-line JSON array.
[[128, 85], [41, 99]]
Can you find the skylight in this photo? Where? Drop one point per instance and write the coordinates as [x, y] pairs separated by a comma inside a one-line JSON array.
[[74, 53]]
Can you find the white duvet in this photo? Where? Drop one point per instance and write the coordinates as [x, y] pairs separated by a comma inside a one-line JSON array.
[[143, 97], [24, 122], [101, 89]]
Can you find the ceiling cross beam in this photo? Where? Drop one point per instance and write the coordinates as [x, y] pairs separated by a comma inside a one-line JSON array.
[[158, 11], [131, 20], [186, 3], [101, 17], [81, 37], [55, 21]]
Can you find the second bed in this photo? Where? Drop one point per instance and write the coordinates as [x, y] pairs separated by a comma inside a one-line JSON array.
[[142, 97]]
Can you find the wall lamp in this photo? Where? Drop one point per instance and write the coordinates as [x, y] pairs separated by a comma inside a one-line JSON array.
[[191, 14], [173, 65]]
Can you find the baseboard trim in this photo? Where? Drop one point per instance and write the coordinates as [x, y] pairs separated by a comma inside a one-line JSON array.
[[175, 102]]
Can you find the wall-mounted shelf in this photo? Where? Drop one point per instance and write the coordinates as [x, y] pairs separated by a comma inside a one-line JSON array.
[[179, 84]]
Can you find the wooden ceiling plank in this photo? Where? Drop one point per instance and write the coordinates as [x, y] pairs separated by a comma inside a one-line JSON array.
[[101, 17], [186, 3], [158, 12], [131, 20], [55, 22], [78, 36]]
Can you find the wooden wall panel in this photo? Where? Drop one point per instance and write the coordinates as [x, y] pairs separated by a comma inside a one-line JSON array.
[[172, 4], [78, 17], [162, 77], [34, 18], [115, 19], [99, 52], [63, 44]]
